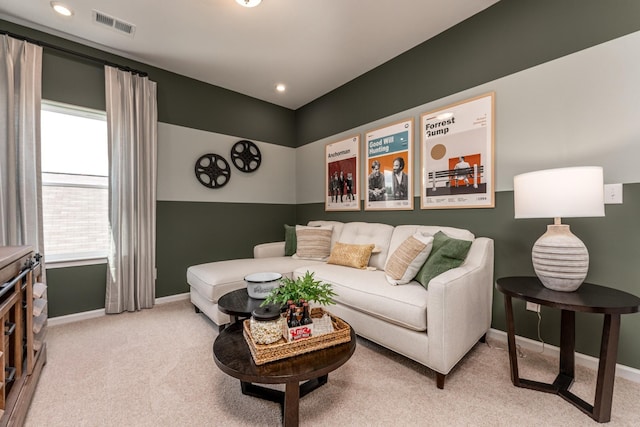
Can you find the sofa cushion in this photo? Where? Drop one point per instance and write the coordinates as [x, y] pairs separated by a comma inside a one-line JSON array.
[[313, 243], [401, 232], [290, 242], [337, 228], [364, 233], [356, 256], [447, 253], [406, 260], [369, 292], [214, 279]]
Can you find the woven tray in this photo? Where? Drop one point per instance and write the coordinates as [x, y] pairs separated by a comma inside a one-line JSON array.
[[265, 353]]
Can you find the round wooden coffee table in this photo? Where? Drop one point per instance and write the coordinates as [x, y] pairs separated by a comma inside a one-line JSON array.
[[231, 354]]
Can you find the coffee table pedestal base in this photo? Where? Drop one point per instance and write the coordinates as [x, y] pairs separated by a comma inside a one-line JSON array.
[[289, 400]]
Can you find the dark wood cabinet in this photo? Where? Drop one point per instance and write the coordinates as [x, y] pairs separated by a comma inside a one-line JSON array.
[[23, 312]]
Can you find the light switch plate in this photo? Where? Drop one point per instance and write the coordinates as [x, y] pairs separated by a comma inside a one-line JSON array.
[[613, 194]]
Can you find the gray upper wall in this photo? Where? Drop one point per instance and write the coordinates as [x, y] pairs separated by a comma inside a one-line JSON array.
[[181, 100], [508, 37]]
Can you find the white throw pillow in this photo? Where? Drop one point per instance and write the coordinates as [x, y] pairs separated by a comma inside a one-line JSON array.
[[313, 243], [405, 262]]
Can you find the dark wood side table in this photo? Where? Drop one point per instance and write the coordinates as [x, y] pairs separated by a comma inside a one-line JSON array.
[[589, 298], [238, 305], [231, 354]]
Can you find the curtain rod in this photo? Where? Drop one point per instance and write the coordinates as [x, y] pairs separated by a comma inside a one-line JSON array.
[[71, 52]]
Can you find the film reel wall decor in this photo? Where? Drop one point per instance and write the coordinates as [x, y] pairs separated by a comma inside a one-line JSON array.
[[212, 171], [246, 156]]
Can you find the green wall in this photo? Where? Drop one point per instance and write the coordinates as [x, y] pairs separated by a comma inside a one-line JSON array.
[[610, 259], [193, 232], [186, 232], [508, 37], [76, 289], [181, 100]]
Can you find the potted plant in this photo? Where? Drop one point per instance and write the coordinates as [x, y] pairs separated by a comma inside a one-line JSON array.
[[304, 287]]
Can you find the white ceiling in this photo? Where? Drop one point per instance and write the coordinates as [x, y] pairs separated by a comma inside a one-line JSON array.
[[312, 46]]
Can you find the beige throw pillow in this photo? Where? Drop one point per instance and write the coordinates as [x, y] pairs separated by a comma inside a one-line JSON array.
[[356, 256], [313, 242], [403, 265]]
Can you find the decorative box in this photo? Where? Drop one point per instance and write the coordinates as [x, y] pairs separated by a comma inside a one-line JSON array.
[[297, 332]]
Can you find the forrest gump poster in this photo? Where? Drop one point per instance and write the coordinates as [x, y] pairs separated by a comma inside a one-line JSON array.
[[457, 155]]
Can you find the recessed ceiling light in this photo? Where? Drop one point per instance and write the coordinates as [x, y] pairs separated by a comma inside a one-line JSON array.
[[281, 87], [248, 3], [61, 8]]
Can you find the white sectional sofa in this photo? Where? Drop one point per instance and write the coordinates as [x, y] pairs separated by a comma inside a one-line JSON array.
[[435, 326]]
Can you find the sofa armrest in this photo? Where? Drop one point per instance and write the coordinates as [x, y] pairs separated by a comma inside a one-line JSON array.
[[268, 250], [459, 307]]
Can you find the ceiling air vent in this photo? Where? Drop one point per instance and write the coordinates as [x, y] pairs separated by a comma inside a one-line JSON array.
[[113, 23]]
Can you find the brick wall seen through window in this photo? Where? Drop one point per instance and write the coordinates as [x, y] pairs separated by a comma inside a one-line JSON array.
[[74, 183]]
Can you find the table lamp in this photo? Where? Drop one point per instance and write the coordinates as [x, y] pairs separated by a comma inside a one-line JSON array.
[[560, 259]]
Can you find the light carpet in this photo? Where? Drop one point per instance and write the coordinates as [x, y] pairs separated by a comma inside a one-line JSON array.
[[155, 368]]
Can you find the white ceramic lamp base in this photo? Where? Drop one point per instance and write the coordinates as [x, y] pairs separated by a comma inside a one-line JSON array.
[[560, 259]]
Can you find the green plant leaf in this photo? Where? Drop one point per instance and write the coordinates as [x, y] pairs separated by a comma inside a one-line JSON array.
[[304, 287]]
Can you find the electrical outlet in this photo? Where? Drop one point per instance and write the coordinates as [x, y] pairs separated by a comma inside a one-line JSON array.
[[533, 307], [613, 194]]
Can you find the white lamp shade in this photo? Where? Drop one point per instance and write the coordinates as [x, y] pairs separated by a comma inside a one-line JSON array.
[[559, 193]]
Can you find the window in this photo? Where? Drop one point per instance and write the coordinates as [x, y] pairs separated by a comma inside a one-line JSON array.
[[75, 171]]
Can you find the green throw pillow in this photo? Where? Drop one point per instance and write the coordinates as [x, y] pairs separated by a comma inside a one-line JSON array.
[[447, 253], [290, 240]]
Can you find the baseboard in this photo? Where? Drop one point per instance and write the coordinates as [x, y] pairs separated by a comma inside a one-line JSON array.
[[622, 371], [76, 317], [172, 298]]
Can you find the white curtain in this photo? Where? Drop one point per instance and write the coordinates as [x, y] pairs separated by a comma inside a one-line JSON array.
[[132, 129], [20, 179]]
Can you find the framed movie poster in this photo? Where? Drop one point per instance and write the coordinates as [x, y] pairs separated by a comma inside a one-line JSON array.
[[389, 158], [457, 155], [342, 169]]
